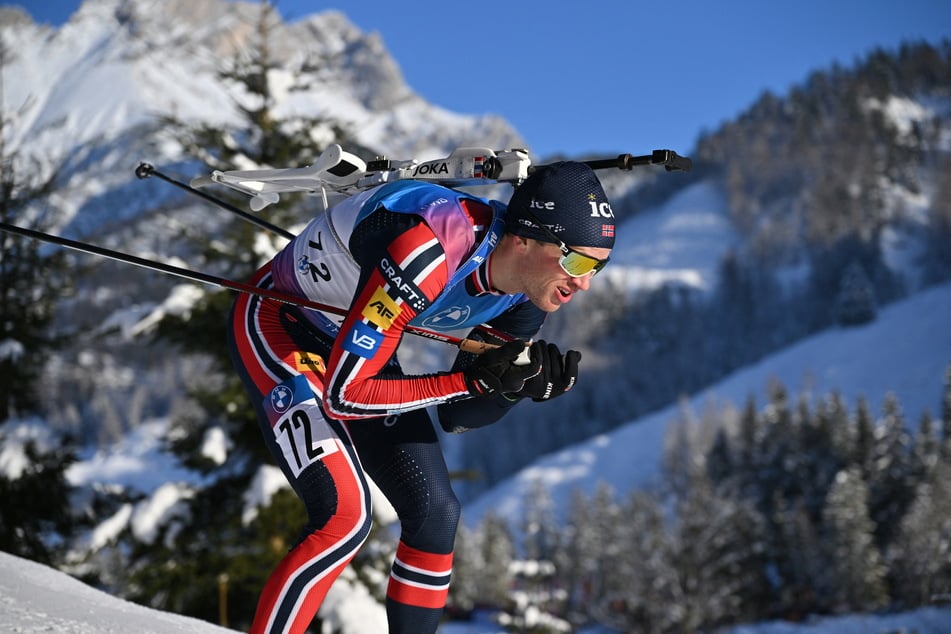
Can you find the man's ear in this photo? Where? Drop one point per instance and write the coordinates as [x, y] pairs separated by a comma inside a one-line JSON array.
[[519, 242]]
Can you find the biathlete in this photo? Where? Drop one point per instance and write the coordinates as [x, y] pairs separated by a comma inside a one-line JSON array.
[[333, 401]]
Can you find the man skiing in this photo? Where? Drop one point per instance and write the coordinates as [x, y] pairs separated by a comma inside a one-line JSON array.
[[333, 401]]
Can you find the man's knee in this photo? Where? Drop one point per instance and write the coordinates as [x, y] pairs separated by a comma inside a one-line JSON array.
[[432, 526]]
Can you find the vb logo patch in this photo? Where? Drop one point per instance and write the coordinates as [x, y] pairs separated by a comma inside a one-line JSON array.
[[362, 340]]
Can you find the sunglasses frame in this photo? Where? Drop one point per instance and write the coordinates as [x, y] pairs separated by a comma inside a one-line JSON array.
[[566, 250]]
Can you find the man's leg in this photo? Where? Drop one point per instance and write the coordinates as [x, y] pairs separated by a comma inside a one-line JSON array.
[[403, 457], [315, 455]]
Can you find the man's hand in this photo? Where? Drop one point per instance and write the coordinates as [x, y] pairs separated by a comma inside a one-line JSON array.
[[495, 371], [558, 373]]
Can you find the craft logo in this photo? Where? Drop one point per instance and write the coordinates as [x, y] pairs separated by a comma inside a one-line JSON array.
[[381, 310], [407, 290]]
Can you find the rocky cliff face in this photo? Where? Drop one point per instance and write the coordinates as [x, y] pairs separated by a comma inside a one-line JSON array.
[[87, 99]]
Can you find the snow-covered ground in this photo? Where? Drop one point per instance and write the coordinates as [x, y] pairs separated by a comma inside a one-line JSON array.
[[36, 599]]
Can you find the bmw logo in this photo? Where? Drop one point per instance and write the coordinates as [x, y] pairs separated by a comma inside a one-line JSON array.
[[282, 397]]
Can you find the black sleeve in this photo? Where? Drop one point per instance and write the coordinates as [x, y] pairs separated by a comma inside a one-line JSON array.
[[519, 322]]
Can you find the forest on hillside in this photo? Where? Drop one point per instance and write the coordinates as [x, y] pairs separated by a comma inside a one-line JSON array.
[[773, 512]]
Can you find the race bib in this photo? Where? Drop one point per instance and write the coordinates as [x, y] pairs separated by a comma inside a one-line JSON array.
[[299, 428]]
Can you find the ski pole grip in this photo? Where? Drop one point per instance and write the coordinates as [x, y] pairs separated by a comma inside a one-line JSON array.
[[476, 347], [479, 347]]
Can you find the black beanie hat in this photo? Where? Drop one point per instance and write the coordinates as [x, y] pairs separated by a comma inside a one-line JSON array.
[[566, 197]]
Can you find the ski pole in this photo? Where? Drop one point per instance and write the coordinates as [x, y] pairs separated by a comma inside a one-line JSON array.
[[145, 170], [467, 345]]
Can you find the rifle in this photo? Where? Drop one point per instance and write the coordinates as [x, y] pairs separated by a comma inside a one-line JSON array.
[[337, 172]]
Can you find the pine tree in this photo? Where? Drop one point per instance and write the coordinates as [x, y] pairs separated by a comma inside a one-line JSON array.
[[921, 553], [467, 569], [863, 440], [747, 453], [35, 521], [799, 561], [720, 460], [946, 417], [855, 577], [605, 516], [718, 555], [835, 416], [591, 551], [855, 303], [536, 599], [820, 454], [926, 453], [776, 450], [645, 564], [498, 551], [891, 478], [539, 525], [29, 282], [575, 559]]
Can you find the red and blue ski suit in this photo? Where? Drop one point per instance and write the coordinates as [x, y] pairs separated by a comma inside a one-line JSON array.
[[334, 403]]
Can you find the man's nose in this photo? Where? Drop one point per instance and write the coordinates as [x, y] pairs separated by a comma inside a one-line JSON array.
[[582, 283]]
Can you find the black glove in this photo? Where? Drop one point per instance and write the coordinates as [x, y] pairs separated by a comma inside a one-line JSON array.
[[558, 374], [495, 371]]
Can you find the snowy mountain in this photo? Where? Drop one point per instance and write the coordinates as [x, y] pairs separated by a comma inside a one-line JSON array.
[[91, 95]]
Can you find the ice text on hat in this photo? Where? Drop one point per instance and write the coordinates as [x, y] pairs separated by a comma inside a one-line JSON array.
[[600, 209]]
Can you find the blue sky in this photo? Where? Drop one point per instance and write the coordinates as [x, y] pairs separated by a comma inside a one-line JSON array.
[[621, 75]]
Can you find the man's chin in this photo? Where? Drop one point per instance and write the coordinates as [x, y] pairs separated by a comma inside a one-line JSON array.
[[548, 307]]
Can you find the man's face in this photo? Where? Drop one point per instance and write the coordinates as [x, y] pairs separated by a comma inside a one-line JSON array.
[[545, 283]]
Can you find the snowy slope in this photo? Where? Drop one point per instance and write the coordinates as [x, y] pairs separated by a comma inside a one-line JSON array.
[[679, 242], [905, 351], [35, 598]]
